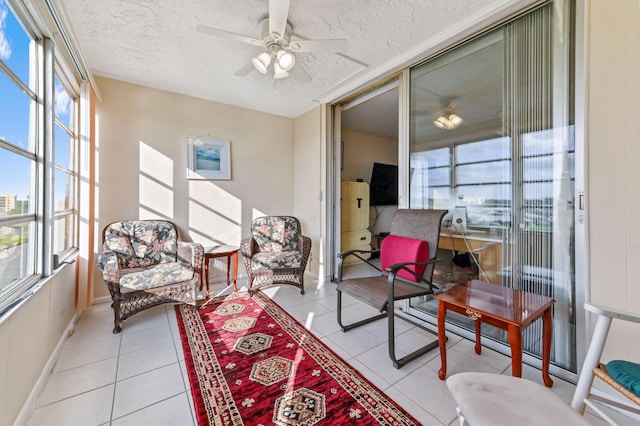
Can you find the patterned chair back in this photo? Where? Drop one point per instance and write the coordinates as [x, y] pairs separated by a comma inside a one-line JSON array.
[[140, 243], [276, 233]]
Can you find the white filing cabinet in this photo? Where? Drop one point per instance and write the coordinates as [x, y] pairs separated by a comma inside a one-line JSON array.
[[354, 219]]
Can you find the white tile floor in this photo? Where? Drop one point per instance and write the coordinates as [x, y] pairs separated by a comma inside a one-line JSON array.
[[138, 376]]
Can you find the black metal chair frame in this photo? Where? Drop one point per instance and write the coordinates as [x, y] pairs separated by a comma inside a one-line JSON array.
[[382, 291]]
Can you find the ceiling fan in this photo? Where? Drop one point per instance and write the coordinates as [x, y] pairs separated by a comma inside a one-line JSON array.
[[448, 117], [279, 48]]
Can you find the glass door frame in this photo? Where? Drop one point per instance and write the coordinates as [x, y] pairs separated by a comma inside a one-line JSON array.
[[581, 224]]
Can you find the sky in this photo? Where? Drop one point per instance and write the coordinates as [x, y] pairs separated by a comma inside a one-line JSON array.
[[15, 106]]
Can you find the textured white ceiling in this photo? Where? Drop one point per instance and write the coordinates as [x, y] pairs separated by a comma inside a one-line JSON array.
[[154, 43]]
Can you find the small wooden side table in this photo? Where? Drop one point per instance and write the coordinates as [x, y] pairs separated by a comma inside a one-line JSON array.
[[502, 307], [213, 252]]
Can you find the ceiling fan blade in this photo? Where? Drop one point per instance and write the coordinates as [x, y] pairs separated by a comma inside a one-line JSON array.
[[226, 34], [335, 45], [278, 12], [244, 70]]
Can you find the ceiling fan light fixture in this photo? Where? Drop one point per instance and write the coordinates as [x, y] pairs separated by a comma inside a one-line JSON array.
[[261, 62], [278, 72], [448, 121], [285, 60]]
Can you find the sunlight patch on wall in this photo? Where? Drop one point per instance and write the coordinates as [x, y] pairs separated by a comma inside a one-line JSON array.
[[155, 197], [257, 213], [217, 199], [214, 214], [156, 165], [155, 184]]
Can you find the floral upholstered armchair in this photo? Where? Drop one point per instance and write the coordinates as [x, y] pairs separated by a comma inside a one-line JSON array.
[[276, 252], [145, 264]]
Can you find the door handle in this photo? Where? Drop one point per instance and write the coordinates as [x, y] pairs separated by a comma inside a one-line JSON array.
[[581, 201], [359, 202]]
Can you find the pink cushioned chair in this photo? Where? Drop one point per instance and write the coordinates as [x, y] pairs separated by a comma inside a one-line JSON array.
[[407, 260]]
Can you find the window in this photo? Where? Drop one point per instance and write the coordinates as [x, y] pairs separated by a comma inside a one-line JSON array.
[[18, 153], [474, 175], [483, 182], [430, 184], [34, 224], [65, 178]]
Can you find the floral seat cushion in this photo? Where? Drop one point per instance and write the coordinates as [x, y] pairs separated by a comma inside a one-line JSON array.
[[276, 260], [155, 276]]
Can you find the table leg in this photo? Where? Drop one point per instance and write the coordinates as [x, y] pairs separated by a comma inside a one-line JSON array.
[[206, 273], [546, 347], [478, 347], [442, 339], [228, 269], [235, 270], [515, 341]]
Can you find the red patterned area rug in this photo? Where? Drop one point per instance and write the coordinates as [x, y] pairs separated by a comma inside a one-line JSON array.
[[251, 363]]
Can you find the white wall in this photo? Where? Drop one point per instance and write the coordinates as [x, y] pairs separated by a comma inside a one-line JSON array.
[[142, 158], [361, 150], [28, 338], [307, 182], [613, 196]]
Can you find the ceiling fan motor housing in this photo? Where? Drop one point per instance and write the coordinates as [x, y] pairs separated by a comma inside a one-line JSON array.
[[269, 39]]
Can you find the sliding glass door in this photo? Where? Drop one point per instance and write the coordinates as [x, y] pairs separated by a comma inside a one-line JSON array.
[[491, 139]]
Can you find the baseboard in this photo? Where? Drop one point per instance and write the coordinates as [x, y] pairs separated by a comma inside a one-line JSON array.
[[103, 299], [29, 405], [312, 275]]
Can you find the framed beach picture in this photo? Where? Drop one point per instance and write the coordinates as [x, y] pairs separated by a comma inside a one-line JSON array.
[[208, 158]]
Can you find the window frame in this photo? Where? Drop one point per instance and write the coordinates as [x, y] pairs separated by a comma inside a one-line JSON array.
[[46, 64]]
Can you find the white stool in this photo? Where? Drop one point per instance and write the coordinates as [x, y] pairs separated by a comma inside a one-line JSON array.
[[494, 400]]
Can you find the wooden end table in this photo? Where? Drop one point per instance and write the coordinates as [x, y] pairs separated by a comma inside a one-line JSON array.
[[502, 307], [213, 252]]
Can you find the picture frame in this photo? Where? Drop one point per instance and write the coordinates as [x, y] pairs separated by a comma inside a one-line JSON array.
[[208, 158]]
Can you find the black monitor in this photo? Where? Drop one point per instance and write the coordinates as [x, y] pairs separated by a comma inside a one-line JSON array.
[[383, 188]]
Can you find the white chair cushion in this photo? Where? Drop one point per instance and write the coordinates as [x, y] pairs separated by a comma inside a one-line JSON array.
[[495, 400]]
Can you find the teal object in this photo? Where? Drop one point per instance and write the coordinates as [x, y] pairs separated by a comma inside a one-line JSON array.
[[626, 373]]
